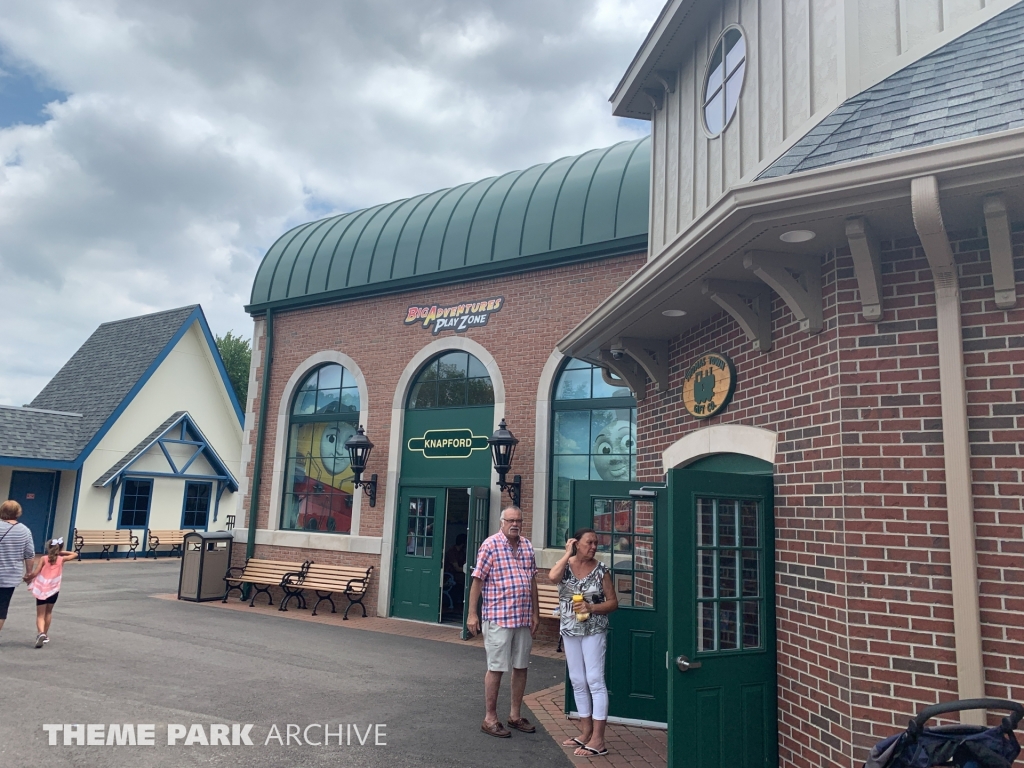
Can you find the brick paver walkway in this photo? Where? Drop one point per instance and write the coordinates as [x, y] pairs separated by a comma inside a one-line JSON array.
[[628, 746]]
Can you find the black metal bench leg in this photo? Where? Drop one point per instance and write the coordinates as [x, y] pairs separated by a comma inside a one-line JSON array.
[[264, 590], [288, 595], [559, 648], [321, 598], [106, 550], [228, 593]]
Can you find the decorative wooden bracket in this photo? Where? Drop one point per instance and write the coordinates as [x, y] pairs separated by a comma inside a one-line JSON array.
[[867, 265], [626, 369], [667, 78], [797, 279], [754, 318], [651, 354], [1000, 251], [656, 96]]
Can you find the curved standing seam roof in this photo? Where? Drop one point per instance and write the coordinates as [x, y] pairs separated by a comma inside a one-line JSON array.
[[573, 209]]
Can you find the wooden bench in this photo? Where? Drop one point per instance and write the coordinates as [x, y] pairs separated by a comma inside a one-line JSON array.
[[262, 574], [547, 597], [173, 539], [107, 538], [351, 581]]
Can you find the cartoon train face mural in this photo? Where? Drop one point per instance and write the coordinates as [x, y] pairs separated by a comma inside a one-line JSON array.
[[324, 416]]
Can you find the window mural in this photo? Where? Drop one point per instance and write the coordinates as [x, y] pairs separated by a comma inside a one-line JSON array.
[[318, 479], [593, 436]]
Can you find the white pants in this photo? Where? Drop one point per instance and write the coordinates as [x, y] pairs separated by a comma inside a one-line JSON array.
[[585, 657]]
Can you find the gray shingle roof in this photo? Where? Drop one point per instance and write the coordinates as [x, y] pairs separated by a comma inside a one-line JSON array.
[[93, 383], [35, 434], [969, 87]]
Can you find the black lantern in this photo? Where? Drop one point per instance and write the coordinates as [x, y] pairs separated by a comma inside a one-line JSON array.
[[503, 449], [359, 447]]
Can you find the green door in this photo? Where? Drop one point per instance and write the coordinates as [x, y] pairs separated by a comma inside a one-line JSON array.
[[721, 628], [419, 539], [631, 541], [479, 526]]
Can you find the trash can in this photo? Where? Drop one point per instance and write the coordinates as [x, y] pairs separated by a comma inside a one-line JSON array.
[[204, 564]]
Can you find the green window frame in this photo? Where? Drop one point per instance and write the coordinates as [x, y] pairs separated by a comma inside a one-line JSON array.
[[593, 436], [453, 379], [318, 493]]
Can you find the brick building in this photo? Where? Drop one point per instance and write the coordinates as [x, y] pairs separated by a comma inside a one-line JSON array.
[[842, 218], [354, 310], [772, 354]]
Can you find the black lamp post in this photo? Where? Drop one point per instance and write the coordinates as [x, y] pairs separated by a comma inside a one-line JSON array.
[[359, 447], [503, 448]]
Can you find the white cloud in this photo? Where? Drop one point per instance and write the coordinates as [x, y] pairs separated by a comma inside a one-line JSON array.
[[196, 133]]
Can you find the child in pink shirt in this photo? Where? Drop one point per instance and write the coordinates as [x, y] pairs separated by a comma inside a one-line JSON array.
[[44, 583]]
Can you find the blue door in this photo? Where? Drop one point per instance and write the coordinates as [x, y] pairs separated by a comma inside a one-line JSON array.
[[34, 491]]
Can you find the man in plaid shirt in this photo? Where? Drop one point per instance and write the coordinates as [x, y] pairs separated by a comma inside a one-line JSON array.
[[505, 577]]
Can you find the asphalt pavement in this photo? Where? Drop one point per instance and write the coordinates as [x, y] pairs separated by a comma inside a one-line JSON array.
[[119, 656]]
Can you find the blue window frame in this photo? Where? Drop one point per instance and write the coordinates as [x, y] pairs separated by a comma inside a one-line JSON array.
[[195, 512], [136, 499]]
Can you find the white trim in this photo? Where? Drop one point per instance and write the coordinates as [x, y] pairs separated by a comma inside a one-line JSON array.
[[395, 447], [721, 438], [542, 449], [281, 436], [369, 545], [574, 715]]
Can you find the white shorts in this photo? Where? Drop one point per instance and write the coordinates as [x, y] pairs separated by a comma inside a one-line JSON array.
[[507, 648]]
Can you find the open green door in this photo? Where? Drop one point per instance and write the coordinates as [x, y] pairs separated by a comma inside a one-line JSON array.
[[631, 538], [420, 538], [722, 705], [479, 523]]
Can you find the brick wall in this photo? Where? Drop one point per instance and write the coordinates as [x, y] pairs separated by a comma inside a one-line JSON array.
[[540, 307], [864, 628]]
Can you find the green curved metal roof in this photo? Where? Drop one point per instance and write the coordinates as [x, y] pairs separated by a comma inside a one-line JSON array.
[[574, 209]]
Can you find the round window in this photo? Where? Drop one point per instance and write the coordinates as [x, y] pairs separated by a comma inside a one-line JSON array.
[[724, 80]]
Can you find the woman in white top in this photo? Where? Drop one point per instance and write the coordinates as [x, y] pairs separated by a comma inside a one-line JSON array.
[[17, 553], [584, 628]]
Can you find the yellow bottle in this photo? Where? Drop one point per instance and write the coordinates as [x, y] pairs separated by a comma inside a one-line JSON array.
[[580, 608]]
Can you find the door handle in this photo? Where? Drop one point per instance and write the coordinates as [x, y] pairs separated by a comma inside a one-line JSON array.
[[685, 665]]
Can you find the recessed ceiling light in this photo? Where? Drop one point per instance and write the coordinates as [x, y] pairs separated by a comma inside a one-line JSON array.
[[673, 312], [797, 236]]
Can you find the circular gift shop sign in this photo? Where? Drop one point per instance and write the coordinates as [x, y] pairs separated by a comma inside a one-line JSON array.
[[708, 384]]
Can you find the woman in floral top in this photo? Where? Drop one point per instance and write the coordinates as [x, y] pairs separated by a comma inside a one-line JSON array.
[[584, 627]]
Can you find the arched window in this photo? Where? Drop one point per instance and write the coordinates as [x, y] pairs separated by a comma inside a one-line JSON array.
[[593, 436], [318, 480], [452, 380]]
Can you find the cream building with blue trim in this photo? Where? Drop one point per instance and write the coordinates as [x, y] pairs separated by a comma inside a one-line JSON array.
[[140, 429]]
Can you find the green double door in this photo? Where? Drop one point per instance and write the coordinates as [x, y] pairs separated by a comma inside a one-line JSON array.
[[420, 546], [693, 642]]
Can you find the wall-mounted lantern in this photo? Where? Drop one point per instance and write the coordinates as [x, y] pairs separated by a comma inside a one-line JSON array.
[[503, 448], [359, 447]]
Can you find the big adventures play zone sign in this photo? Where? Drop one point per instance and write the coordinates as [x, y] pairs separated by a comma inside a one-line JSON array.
[[708, 385], [458, 317]]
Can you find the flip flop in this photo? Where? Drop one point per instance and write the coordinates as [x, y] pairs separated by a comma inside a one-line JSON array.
[[593, 752], [575, 741], [495, 730]]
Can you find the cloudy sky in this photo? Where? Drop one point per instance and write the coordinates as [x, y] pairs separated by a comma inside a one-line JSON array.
[[153, 151]]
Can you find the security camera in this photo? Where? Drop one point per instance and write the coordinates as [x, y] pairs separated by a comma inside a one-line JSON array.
[[618, 354]]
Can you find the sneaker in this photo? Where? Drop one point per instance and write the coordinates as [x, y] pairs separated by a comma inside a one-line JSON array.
[[40, 640], [46, 639]]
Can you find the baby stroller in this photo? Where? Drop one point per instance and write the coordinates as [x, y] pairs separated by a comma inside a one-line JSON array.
[[964, 746]]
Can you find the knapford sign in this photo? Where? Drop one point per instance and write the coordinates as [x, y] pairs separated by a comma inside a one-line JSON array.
[[708, 384], [448, 443], [459, 317]]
